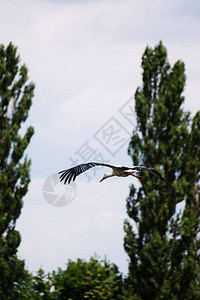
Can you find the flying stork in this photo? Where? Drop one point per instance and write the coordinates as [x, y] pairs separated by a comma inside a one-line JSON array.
[[70, 174]]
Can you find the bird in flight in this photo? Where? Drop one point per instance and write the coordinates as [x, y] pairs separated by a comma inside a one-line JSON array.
[[70, 174]]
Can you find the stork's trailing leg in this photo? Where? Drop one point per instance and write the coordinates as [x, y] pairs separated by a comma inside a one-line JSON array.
[[138, 177]]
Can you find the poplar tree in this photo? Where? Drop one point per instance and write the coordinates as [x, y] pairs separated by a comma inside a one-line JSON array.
[[163, 242], [15, 101]]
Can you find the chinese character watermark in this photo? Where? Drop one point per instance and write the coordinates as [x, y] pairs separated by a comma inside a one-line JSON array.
[[87, 153], [112, 136]]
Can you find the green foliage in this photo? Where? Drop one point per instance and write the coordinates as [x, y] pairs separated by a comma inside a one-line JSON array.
[[15, 102], [40, 286], [87, 280], [164, 251]]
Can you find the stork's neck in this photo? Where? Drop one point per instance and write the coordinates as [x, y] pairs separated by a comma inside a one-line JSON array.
[[108, 175]]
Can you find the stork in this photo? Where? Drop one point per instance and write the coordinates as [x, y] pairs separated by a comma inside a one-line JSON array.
[[121, 171]]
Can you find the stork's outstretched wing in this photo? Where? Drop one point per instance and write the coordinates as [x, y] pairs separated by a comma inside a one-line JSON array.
[[70, 174], [140, 168]]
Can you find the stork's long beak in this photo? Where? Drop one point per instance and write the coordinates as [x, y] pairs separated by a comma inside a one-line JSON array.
[[101, 179], [104, 177]]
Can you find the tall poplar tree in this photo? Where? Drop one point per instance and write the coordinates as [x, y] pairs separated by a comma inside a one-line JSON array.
[[15, 101], [164, 247]]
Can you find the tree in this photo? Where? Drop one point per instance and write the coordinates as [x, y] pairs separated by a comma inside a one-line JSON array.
[[15, 101], [87, 280], [41, 285], [164, 250]]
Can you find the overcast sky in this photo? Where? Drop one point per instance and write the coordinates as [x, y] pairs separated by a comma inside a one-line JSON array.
[[84, 58]]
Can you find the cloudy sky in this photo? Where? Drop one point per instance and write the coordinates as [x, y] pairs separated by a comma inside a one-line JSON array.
[[84, 57]]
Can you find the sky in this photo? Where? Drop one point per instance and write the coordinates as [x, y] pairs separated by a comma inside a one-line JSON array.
[[84, 58]]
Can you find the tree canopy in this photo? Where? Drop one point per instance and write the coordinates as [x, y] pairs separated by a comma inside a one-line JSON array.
[[164, 247], [96, 279], [15, 101]]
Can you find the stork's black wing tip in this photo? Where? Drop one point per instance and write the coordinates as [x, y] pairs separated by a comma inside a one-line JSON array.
[[166, 182], [169, 185], [61, 171]]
